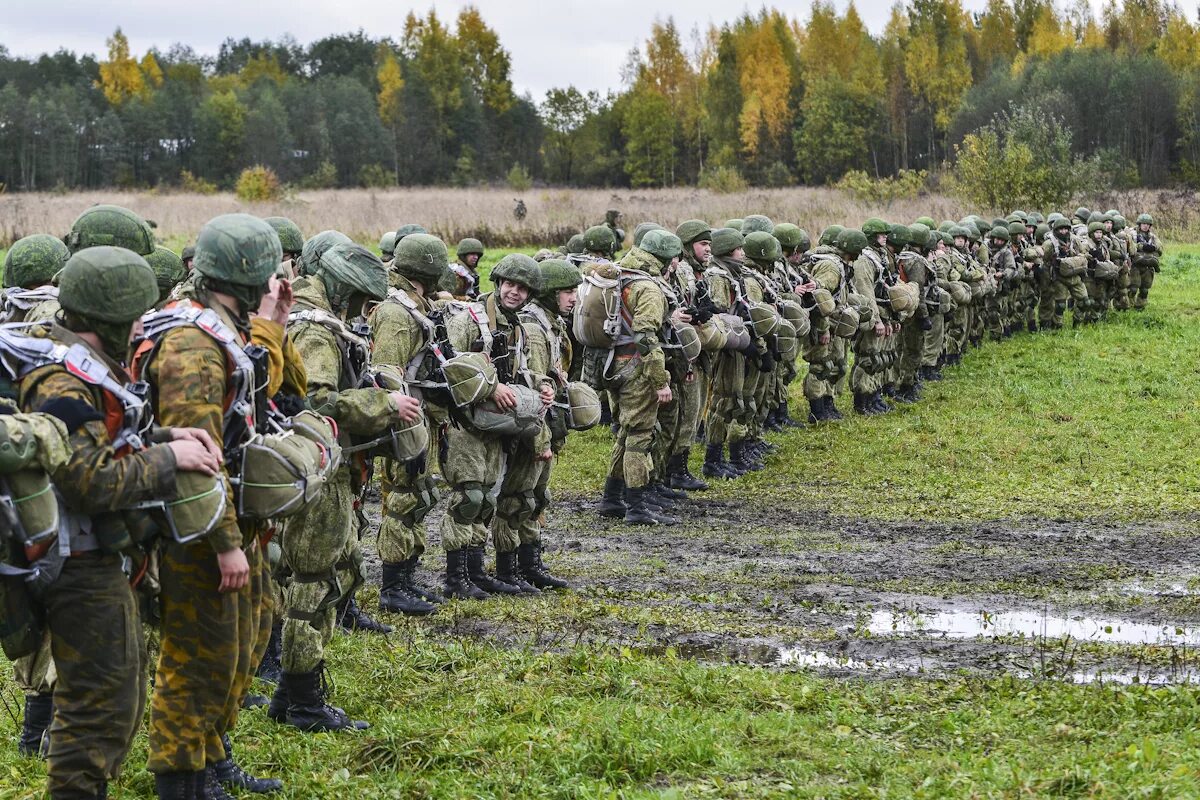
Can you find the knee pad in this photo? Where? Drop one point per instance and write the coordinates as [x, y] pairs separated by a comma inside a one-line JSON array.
[[541, 499], [469, 507]]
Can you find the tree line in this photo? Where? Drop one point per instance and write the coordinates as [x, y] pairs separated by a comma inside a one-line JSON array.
[[766, 99]]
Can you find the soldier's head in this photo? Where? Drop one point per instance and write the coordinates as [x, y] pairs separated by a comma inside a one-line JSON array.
[[612, 217], [1096, 230], [557, 286], [755, 223], [1082, 213], [111, 225], [599, 240], [1145, 222], [423, 259], [168, 270], [103, 291], [850, 244], [387, 246], [791, 238], [314, 248], [236, 255], [696, 236], [898, 237], [728, 243], [829, 235], [33, 261], [188, 256], [1061, 227], [918, 236], [762, 248], [961, 237], [574, 245], [516, 279], [351, 275], [998, 237], [408, 229], [1119, 223], [641, 230], [469, 251], [876, 231], [663, 245], [290, 237], [1016, 232]]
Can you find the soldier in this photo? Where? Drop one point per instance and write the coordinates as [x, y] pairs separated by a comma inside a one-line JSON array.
[[599, 242], [187, 256], [401, 333], [1002, 267], [915, 269], [292, 241], [91, 612], [319, 545], [966, 270], [168, 271], [692, 287], [762, 253], [387, 247], [612, 221], [1121, 254], [314, 248], [824, 351], [1099, 276], [1063, 256], [466, 269], [1146, 254], [29, 267], [897, 239], [797, 286], [869, 279]]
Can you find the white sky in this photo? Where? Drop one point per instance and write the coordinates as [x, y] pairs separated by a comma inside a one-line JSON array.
[[579, 42]]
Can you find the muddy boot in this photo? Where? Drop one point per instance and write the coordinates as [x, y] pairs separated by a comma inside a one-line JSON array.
[[612, 502], [662, 489], [252, 700], [879, 404], [270, 668], [230, 775], [714, 463], [742, 459], [507, 571], [394, 595], [179, 785], [277, 710], [480, 577], [414, 588], [529, 559], [39, 709], [307, 709], [351, 618], [680, 477], [458, 581], [636, 510]]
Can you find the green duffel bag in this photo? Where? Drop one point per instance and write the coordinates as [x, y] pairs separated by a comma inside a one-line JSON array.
[[1107, 271], [583, 406], [323, 432], [961, 292], [844, 322], [712, 335], [198, 507], [737, 334], [404, 441], [787, 342], [688, 340], [523, 421], [281, 474], [1071, 266], [794, 313], [1145, 261], [470, 377], [903, 297], [35, 502], [764, 319]]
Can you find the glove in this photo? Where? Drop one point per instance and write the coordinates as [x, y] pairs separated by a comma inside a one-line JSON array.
[[1147, 248], [753, 351], [926, 324], [700, 315], [767, 362]]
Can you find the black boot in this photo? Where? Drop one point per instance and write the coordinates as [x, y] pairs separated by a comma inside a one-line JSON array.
[[414, 588], [213, 790], [39, 709], [230, 775], [859, 400], [612, 502], [663, 489], [680, 477], [394, 595], [742, 459], [458, 581], [252, 700], [179, 785], [714, 462], [816, 411], [307, 709], [480, 576], [772, 423], [636, 510], [785, 417], [879, 404], [529, 559], [277, 710], [352, 618], [507, 571], [270, 668]]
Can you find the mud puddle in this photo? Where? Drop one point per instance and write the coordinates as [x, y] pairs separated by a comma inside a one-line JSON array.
[[1028, 624]]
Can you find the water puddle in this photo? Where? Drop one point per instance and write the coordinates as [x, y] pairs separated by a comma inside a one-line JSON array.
[[1029, 625], [816, 659], [1126, 677], [1148, 589]]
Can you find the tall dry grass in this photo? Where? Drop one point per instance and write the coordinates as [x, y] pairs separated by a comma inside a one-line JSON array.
[[553, 214]]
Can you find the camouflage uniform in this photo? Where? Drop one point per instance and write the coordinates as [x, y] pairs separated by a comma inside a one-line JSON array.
[[726, 408], [1147, 251], [915, 269], [866, 376], [827, 363]]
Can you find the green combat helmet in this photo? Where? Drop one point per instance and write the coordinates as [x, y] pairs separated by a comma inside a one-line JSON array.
[[1145, 219], [33, 260], [111, 225], [642, 229], [599, 239], [168, 270], [1119, 223], [757, 222], [851, 242], [736, 224], [998, 232], [829, 235], [387, 244], [1040, 234], [187, 255], [899, 236], [421, 257], [875, 226], [290, 236], [575, 245], [945, 225], [468, 246], [349, 269], [1082, 214], [238, 249], [517, 268], [554, 276], [408, 230], [790, 237], [694, 230], [918, 235], [726, 240], [927, 222], [315, 247], [662, 244], [959, 230], [1016, 229], [762, 246], [108, 288], [1095, 225]]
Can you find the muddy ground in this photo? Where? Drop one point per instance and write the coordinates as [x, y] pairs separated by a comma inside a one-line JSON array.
[[1080, 600]]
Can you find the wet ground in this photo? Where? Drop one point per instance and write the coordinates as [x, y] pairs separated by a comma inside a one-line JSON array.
[[1078, 600]]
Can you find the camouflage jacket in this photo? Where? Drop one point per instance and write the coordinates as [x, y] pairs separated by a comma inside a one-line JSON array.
[[465, 330]]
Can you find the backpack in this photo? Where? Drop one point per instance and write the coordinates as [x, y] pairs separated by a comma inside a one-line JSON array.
[[16, 302], [600, 319]]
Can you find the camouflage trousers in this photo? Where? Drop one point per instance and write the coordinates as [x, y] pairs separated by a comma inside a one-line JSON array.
[[721, 424], [524, 496], [1140, 281], [826, 366], [1121, 297], [100, 695], [785, 373], [199, 660], [957, 322], [473, 469], [866, 376], [935, 341], [756, 411], [1053, 305], [692, 401], [669, 427], [255, 616], [912, 348], [35, 673], [316, 540], [407, 494], [637, 408]]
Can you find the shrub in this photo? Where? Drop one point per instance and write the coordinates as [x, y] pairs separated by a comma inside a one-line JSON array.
[[376, 176], [905, 183], [778, 175], [518, 178], [258, 184], [324, 177], [190, 183], [723, 180]]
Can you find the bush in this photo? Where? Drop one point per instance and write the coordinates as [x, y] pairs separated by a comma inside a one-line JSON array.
[[190, 183], [778, 176], [723, 180], [518, 178], [324, 177], [906, 183], [376, 176], [258, 184]]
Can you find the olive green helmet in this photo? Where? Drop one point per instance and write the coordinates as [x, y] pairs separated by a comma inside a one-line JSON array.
[[726, 240], [574, 245], [1096, 216], [875, 226], [641, 230], [1058, 222], [829, 235], [1040, 234], [1034, 218], [694, 230], [188, 253], [468, 246], [1082, 214], [1016, 229], [408, 229], [927, 222], [554, 276], [1095, 225], [736, 224], [1145, 219], [290, 236], [238, 248], [599, 239], [111, 225], [662, 244], [347, 269], [387, 244], [34, 260], [168, 270], [945, 225], [762, 246], [315, 247], [790, 236], [959, 230], [757, 222], [421, 257], [899, 236], [918, 235], [517, 268], [998, 232], [1119, 223], [851, 241], [109, 284]]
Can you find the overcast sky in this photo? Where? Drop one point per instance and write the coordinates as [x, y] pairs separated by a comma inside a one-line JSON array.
[[579, 42]]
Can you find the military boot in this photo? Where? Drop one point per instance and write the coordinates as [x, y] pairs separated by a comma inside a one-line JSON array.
[[212, 788], [663, 488], [772, 423], [680, 477], [230, 775], [859, 399], [831, 409], [277, 710], [879, 404], [529, 559], [458, 580], [906, 394], [508, 571], [612, 503], [742, 459], [179, 785], [637, 511], [409, 576], [715, 465], [785, 417], [351, 618], [480, 577], [39, 710], [270, 668], [816, 411], [307, 709], [394, 595]]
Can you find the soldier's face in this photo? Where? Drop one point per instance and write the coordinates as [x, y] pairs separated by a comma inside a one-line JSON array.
[[1097, 235], [739, 254], [1108, 225], [701, 250], [566, 300], [960, 242], [471, 260], [796, 256], [881, 240], [513, 295], [1144, 227]]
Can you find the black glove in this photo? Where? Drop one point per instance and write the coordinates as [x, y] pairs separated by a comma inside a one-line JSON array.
[[926, 324], [766, 362], [752, 351], [699, 314], [1147, 248]]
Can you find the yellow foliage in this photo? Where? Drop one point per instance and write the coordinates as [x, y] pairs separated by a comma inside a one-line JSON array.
[[151, 74], [1180, 48], [766, 85], [120, 76], [261, 65], [391, 84]]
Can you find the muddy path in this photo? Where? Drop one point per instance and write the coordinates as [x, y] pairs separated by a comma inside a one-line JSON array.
[[1081, 600]]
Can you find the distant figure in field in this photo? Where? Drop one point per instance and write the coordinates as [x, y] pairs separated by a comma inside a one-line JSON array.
[[519, 210]]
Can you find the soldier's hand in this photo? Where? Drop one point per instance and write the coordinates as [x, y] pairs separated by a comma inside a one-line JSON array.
[[880, 329], [681, 315], [664, 395], [198, 435], [235, 569], [547, 395], [545, 455], [408, 408], [824, 338], [504, 397], [276, 304], [192, 456]]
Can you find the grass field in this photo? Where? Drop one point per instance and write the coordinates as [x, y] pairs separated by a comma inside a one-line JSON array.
[[794, 638]]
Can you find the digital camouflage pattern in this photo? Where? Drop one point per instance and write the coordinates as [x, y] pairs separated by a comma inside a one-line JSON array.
[[34, 261], [113, 226]]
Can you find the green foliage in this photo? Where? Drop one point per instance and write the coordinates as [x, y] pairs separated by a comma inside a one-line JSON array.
[[723, 180], [883, 190], [376, 176], [323, 177], [258, 184], [190, 183], [778, 175], [518, 178]]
